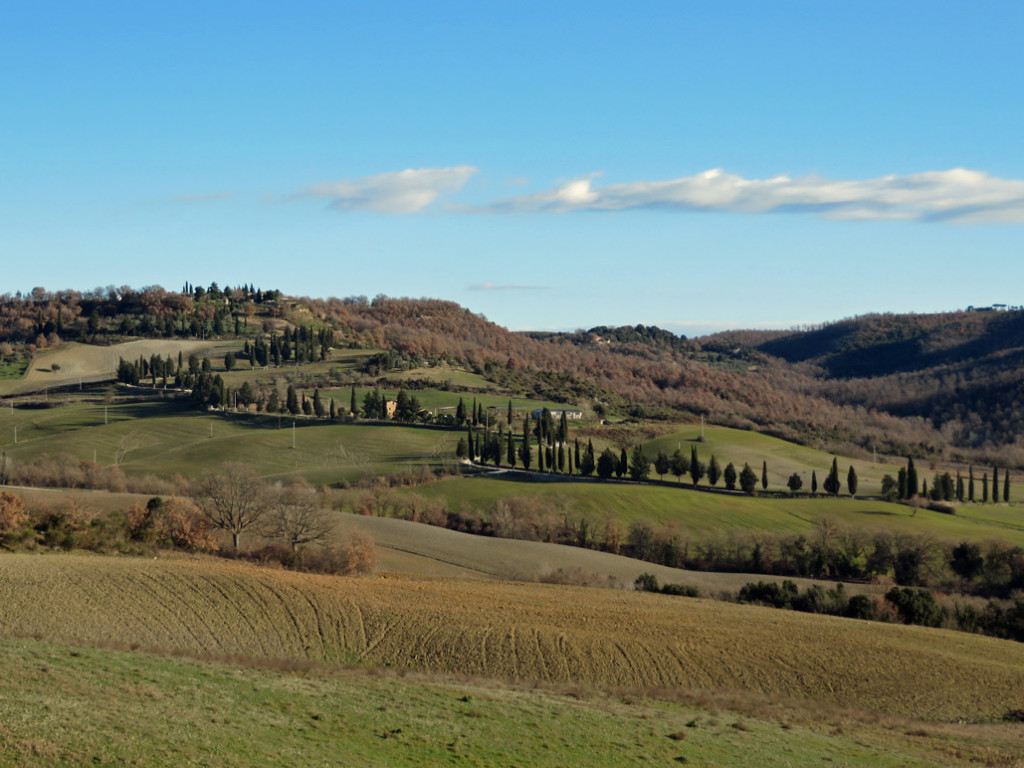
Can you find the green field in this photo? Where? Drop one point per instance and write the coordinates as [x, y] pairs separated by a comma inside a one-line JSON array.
[[702, 513], [165, 437], [73, 706], [784, 458]]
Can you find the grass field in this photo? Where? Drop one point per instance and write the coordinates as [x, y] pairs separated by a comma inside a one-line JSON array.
[[73, 362], [73, 706], [784, 458], [541, 632], [704, 513], [164, 437]]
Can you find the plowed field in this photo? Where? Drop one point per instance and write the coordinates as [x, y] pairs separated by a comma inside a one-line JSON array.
[[521, 631]]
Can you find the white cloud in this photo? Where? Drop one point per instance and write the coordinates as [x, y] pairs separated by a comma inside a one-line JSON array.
[[408, 191], [958, 195]]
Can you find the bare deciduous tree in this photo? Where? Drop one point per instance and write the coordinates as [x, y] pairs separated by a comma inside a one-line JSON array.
[[234, 502], [295, 515]]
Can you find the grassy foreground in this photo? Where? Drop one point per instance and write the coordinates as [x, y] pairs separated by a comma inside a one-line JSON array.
[[72, 706]]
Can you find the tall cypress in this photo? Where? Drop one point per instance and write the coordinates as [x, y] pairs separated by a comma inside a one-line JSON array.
[[912, 484], [764, 475], [511, 455], [995, 485], [1006, 485], [970, 484]]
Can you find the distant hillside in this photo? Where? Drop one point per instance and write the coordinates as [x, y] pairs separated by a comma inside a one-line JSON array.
[[943, 386]]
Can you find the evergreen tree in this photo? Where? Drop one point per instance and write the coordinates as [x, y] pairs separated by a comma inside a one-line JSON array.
[[1006, 485], [748, 480], [959, 487], [832, 480], [970, 483], [307, 407], [318, 404], [460, 412], [912, 484], [623, 464], [371, 404], [588, 464], [576, 458], [795, 482], [995, 485], [679, 465], [470, 448], [714, 472], [661, 465], [984, 488], [561, 457], [540, 455], [814, 481], [639, 464], [524, 448], [851, 481], [729, 475], [563, 428], [274, 402], [333, 411], [352, 402], [606, 464], [511, 454], [461, 449], [764, 475], [509, 414], [697, 468], [901, 492], [292, 401]]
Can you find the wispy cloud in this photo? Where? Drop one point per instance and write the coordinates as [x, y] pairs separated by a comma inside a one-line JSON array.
[[489, 286], [957, 195], [408, 191]]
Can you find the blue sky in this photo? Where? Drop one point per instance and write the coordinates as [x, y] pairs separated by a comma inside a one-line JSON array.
[[549, 165]]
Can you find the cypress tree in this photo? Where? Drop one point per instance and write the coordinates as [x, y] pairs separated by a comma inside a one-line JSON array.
[[469, 443], [352, 403], [902, 483], [524, 449], [995, 485], [851, 481], [511, 455], [509, 415], [912, 484], [334, 411], [984, 488], [1006, 485], [623, 463], [764, 475], [576, 459], [460, 412], [814, 482], [959, 487], [970, 483]]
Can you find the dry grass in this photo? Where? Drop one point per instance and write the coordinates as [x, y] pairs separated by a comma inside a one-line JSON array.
[[552, 633]]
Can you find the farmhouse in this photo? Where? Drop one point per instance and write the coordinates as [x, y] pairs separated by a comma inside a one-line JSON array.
[[572, 414]]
